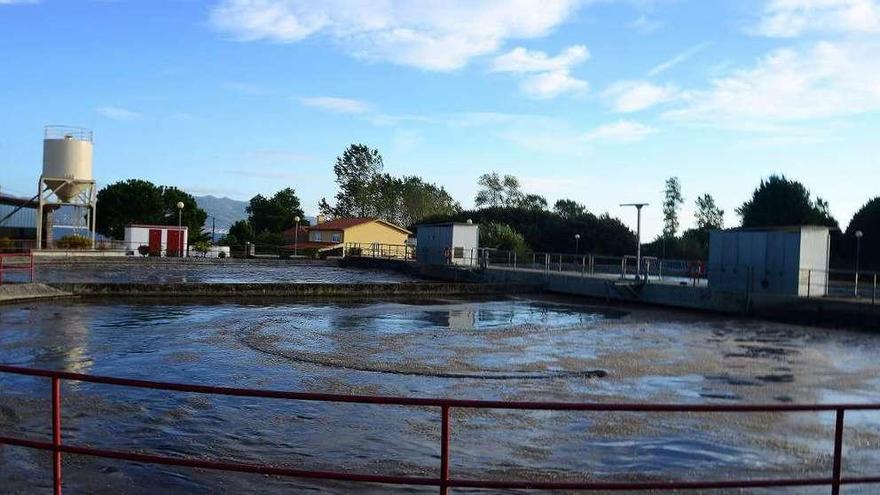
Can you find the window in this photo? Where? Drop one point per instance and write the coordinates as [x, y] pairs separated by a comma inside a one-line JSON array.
[[336, 237], [458, 253], [316, 236]]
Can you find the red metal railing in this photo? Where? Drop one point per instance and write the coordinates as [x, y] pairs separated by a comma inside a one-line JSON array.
[[20, 262], [443, 481]]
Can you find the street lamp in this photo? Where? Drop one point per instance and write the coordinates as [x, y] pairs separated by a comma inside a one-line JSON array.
[[296, 220], [180, 228], [638, 207], [859, 235], [577, 243]]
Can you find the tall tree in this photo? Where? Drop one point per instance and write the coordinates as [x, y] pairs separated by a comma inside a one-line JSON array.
[[779, 202], [497, 191], [274, 214], [364, 191], [709, 216], [866, 220], [569, 209], [191, 215], [356, 171], [672, 201]]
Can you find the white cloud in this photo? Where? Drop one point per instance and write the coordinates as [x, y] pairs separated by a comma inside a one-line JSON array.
[[632, 96], [521, 60], [788, 18], [677, 59], [549, 76], [436, 35], [826, 80], [645, 25], [552, 84], [334, 104], [117, 113], [620, 132]]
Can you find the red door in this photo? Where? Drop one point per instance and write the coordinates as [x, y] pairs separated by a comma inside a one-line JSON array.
[[155, 242], [174, 241]]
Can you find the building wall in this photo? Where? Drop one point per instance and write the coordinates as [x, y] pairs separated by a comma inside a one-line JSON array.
[[768, 261], [433, 241], [140, 236], [368, 233]]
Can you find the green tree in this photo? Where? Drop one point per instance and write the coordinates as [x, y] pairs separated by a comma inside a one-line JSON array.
[[867, 220], [239, 233], [496, 191], [709, 216], [503, 237], [672, 201], [139, 201], [356, 172], [569, 209], [533, 202], [274, 214], [364, 191], [780, 202], [191, 216]]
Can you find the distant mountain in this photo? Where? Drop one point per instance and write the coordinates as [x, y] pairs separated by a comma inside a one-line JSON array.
[[226, 211]]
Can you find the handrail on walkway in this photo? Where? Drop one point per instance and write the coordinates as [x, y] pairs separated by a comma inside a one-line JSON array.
[[443, 481], [17, 266]]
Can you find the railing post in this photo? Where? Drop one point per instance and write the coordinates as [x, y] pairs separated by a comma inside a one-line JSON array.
[[560, 262], [838, 452], [56, 434], [514, 261], [592, 264], [444, 452], [874, 291], [809, 282]]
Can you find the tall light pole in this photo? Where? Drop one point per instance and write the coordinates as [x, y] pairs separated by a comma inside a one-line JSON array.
[[577, 244], [296, 220], [638, 207], [180, 228], [213, 229], [859, 235]]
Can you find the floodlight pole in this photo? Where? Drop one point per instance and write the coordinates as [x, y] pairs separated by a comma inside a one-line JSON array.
[[638, 207]]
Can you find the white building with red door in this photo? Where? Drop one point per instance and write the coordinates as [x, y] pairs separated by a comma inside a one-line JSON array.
[[162, 240]]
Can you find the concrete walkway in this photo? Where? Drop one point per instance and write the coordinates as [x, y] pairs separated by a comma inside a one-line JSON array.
[[26, 292]]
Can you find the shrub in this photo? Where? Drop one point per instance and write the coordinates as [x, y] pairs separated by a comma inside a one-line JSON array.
[[74, 242], [202, 247], [221, 254], [5, 243], [144, 250]]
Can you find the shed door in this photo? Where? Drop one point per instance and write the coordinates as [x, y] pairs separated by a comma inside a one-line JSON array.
[[155, 242], [174, 242]]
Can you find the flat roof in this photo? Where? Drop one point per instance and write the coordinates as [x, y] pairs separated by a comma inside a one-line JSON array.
[[166, 227], [444, 224], [780, 228]]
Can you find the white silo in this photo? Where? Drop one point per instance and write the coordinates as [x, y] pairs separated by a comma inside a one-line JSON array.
[[66, 179]]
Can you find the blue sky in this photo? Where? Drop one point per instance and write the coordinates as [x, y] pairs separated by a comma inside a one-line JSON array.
[[598, 101]]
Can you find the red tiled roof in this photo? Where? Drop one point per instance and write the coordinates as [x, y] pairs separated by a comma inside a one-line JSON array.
[[312, 245], [341, 223]]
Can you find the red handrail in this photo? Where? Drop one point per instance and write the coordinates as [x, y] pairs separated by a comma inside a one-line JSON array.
[[22, 267], [443, 481]]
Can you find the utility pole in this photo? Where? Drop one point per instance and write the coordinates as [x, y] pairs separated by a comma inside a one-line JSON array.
[[213, 228], [638, 207]]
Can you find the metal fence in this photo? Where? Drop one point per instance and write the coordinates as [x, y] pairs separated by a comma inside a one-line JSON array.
[[379, 250], [443, 480], [17, 263]]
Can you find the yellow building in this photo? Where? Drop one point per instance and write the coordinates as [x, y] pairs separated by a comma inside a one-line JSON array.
[[358, 234]]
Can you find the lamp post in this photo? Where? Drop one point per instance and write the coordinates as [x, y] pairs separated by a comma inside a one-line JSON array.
[[180, 228], [859, 235], [296, 220], [577, 244], [638, 207]]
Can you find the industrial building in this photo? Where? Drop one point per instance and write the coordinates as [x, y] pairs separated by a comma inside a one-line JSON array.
[[161, 240], [771, 260], [455, 243]]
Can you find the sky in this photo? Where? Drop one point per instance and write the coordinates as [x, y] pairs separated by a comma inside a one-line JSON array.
[[594, 100]]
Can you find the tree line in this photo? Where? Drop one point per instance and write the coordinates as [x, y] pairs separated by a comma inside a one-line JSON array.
[[511, 217]]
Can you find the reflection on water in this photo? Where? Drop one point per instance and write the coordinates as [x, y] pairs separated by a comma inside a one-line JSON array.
[[517, 349]]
